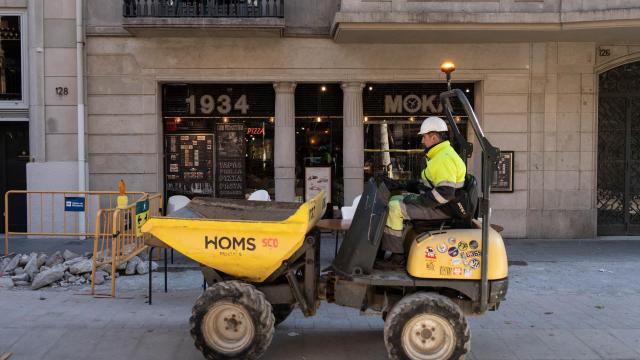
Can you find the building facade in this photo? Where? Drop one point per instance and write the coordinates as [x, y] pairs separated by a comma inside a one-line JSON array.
[[225, 97]]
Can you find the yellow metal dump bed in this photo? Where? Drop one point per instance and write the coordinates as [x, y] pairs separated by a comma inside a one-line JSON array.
[[245, 239]]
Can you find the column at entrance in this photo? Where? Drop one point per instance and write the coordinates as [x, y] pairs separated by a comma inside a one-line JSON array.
[[285, 141], [353, 141]]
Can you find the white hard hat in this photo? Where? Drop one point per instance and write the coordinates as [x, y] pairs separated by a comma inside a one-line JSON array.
[[433, 123]]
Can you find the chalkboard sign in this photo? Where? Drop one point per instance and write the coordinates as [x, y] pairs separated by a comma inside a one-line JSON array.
[[503, 175], [230, 157], [189, 164]]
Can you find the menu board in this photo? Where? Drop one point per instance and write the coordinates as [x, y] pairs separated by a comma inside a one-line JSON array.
[[230, 157], [316, 179], [189, 164], [503, 174]]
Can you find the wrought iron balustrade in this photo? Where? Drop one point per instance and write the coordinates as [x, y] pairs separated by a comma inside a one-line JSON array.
[[203, 8]]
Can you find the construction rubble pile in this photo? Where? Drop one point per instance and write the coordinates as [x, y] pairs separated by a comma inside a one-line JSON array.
[[62, 270]]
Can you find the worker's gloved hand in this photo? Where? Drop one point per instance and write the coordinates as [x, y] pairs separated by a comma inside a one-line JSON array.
[[413, 187], [392, 184], [411, 199]]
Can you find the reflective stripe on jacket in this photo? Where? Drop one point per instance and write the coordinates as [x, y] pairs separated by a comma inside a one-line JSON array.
[[445, 172]]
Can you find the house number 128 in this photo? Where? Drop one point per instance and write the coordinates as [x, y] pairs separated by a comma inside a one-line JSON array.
[[62, 91]]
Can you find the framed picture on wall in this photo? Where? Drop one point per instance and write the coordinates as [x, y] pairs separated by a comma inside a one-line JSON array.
[[316, 179], [503, 175]]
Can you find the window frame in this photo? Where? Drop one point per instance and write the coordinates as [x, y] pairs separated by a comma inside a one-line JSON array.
[[24, 62]]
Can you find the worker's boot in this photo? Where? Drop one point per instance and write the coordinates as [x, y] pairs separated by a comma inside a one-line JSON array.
[[394, 262]]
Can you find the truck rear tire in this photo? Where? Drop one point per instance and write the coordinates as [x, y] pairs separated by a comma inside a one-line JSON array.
[[426, 326], [232, 320]]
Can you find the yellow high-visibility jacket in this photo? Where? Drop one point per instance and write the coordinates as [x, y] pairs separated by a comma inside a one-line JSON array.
[[445, 172]]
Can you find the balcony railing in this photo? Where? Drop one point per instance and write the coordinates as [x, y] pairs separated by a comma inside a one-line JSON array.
[[203, 8]]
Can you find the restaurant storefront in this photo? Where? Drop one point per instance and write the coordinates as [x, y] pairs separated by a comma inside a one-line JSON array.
[[219, 138]]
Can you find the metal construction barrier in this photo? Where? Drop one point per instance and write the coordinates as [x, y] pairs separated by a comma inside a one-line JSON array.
[[52, 214], [118, 237]]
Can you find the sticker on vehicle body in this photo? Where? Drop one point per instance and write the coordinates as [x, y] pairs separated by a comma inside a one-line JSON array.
[[456, 261], [442, 248], [473, 244], [474, 263], [453, 251], [463, 246], [430, 254]]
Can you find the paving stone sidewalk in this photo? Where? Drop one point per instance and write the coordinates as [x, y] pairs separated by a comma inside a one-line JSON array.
[[567, 300]]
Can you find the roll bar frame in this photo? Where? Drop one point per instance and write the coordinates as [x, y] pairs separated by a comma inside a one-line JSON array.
[[490, 155]]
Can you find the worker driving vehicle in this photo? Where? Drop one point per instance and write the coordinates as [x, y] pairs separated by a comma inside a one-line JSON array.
[[427, 198]]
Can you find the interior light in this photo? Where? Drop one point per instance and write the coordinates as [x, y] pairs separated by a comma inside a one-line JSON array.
[[366, 118], [225, 119], [178, 120], [411, 118], [271, 119], [467, 90], [319, 119], [370, 88], [323, 88]]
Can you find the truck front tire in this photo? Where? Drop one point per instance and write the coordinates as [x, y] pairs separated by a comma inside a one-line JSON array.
[[232, 320]]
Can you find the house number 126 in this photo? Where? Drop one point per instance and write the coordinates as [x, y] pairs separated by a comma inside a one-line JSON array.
[[62, 91]]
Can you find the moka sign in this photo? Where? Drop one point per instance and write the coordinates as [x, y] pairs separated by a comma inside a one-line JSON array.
[[412, 104]]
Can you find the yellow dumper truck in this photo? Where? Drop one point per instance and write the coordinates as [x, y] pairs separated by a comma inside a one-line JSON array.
[[261, 259]]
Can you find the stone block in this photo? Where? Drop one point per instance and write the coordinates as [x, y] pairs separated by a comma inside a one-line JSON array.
[[123, 144], [60, 9], [537, 122], [587, 161], [568, 103], [534, 222], [587, 180], [549, 181], [123, 124], [550, 140], [586, 142], [550, 122], [521, 161], [61, 119], [568, 160], [568, 141], [122, 164], [51, 91], [508, 201], [59, 33], [509, 141], [552, 58], [506, 84], [513, 221], [536, 199], [520, 180], [538, 58], [60, 62], [577, 224], [135, 182], [580, 54], [61, 147], [587, 122], [116, 85], [537, 142], [537, 103], [569, 83], [121, 105], [569, 122], [505, 122], [506, 104], [98, 65], [587, 103], [576, 200], [551, 199], [551, 85], [550, 103], [536, 160], [538, 85], [587, 84], [550, 160], [567, 180], [536, 180]]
